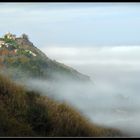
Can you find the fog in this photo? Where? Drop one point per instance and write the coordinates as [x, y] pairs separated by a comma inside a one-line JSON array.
[[112, 98]]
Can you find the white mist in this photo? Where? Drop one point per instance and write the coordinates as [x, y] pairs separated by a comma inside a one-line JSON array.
[[113, 98]]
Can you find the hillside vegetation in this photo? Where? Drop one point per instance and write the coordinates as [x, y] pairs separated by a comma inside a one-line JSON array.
[[21, 59], [27, 113]]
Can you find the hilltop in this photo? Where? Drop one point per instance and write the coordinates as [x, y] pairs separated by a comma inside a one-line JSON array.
[[21, 59]]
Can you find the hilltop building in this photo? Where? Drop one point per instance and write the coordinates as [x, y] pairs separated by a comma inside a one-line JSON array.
[[1, 43], [10, 36]]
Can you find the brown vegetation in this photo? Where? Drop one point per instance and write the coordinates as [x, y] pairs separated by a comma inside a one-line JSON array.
[[26, 113]]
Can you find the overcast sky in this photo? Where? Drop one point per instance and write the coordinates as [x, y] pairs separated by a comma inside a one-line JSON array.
[[73, 24]]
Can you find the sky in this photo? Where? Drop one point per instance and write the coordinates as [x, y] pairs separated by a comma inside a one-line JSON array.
[[73, 24]]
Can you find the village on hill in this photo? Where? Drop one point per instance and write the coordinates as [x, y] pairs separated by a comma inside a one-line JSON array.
[[8, 45]]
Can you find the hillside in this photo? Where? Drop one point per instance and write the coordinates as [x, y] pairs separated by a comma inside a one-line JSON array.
[[21, 59], [24, 111], [27, 113]]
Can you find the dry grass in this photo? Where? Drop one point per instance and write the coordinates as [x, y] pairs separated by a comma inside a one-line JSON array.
[[66, 121], [26, 113]]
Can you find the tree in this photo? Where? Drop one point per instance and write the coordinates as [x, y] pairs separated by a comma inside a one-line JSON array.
[[24, 36]]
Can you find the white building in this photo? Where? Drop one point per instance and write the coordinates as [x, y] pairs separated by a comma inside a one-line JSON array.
[[30, 52], [10, 36], [1, 43]]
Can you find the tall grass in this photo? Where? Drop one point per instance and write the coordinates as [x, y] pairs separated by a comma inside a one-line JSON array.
[[27, 113]]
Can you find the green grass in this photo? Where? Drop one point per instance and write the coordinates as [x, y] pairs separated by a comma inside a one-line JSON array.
[[11, 42]]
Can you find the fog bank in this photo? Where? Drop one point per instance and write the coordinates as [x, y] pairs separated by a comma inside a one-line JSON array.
[[113, 97]]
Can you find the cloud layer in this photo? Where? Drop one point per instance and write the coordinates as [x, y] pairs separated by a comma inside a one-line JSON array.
[[113, 99]]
